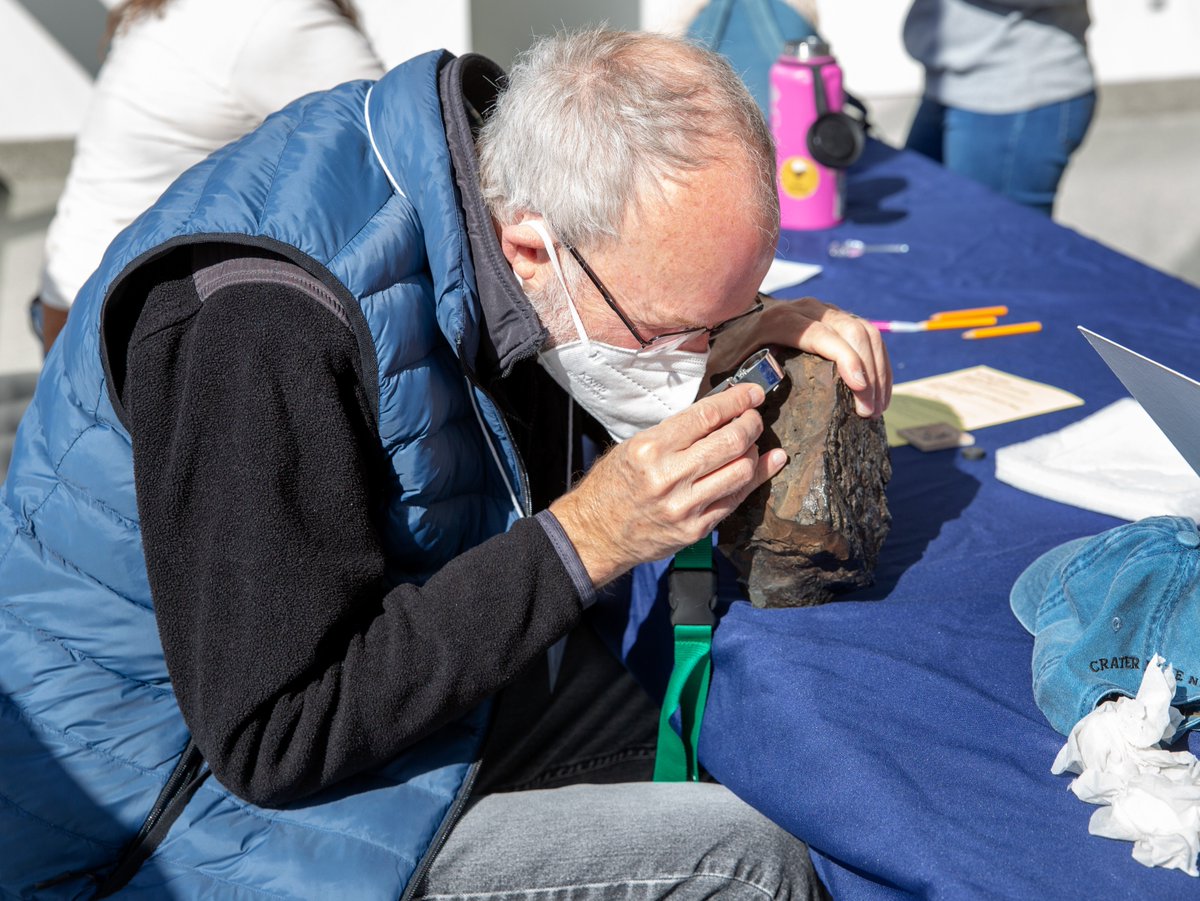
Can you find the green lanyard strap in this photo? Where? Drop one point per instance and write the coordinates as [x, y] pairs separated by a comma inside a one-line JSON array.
[[692, 593]]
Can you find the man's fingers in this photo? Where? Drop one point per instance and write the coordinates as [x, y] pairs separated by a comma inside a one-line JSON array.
[[862, 353], [707, 415], [726, 464], [856, 367], [866, 341], [669, 458], [725, 446], [764, 468]]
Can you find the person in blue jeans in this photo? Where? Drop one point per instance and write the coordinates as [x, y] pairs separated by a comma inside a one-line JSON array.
[[1009, 91]]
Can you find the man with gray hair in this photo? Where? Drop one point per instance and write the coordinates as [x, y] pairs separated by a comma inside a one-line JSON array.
[[299, 503]]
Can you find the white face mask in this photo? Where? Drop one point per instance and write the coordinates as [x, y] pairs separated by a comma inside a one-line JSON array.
[[626, 389]]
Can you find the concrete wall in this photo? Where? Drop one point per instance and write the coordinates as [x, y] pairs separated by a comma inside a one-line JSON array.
[[502, 28], [43, 89]]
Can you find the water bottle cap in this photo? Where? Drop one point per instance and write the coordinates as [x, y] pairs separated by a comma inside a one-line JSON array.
[[807, 48]]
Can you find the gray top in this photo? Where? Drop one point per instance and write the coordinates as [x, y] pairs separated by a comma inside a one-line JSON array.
[[1000, 57]]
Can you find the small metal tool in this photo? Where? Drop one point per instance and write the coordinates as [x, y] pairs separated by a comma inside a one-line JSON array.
[[760, 368], [853, 248]]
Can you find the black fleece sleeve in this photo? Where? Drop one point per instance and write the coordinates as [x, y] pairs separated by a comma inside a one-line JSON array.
[[257, 469]]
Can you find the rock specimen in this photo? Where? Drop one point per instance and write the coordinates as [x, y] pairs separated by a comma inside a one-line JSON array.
[[816, 528]]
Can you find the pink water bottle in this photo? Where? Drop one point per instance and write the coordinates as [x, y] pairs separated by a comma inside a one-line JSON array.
[[814, 140]]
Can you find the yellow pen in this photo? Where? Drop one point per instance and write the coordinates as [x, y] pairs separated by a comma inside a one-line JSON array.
[[966, 322], [970, 314], [931, 324], [1016, 328]]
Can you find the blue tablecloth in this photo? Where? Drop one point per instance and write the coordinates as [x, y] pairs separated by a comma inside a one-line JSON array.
[[896, 731]]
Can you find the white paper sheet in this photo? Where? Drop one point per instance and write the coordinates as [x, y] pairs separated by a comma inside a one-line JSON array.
[[1116, 461], [786, 274]]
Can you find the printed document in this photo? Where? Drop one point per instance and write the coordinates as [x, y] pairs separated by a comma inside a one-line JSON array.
[[970, 399]]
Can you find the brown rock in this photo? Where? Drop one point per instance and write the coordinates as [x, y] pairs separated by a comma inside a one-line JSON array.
[[817, 527]]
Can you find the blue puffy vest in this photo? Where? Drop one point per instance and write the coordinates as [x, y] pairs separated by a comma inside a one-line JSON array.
[[355, 183]]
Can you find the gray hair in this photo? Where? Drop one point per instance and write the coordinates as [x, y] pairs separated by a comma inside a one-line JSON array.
[[593, 122]]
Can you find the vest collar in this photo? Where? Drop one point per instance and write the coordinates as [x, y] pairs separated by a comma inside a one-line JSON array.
[[468, 87], [408, 139]]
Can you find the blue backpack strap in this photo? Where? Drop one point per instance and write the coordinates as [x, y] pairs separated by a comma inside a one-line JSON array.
[[708, 27], [765, 26], [751, 35]]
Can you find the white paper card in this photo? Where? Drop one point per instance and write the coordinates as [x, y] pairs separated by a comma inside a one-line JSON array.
[[785, 274], [970, 399]]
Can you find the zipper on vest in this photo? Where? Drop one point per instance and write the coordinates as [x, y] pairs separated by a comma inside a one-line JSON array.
[[190, 771], [185, 770], [522, 473], [464, 792], [449, 821], [185, 778]]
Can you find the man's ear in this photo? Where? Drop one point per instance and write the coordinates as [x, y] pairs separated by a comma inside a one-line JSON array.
[[525, 251]]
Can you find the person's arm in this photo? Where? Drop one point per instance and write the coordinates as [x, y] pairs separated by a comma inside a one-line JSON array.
[[54, 320], [259, 480], [297, 47]]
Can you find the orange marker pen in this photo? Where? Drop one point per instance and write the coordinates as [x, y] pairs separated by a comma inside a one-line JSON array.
[[966, 322], [1016, 328], [966, 314]]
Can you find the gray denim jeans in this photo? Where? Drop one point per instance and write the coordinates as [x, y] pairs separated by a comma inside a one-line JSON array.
[[633, 841]]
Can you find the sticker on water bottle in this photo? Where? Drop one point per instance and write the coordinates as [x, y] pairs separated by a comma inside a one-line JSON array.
[[799, 177]]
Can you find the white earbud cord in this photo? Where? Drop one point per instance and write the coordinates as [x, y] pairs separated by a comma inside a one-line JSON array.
[[488, 437], [375, 147]]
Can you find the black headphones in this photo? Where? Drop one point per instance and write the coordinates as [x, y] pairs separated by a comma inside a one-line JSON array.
[[835, 140]]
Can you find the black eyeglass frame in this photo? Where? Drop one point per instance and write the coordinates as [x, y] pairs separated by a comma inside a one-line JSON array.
[[612, 304]]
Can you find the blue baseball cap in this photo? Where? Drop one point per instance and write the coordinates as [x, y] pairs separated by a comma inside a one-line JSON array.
[[1100, 608]]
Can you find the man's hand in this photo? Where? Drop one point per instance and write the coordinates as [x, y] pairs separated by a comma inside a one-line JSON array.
[[809, 325], [668, 486]]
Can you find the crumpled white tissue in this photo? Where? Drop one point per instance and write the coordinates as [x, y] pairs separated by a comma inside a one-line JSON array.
[[1151, 797]]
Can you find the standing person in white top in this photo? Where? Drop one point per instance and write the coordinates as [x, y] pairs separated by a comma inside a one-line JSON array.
[[181, 79]]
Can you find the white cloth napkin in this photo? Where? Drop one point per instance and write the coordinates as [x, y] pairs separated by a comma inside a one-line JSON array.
[[1116, 461], [1151, 797]]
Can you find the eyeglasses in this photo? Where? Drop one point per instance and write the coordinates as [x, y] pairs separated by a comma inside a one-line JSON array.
[[666, 336]]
